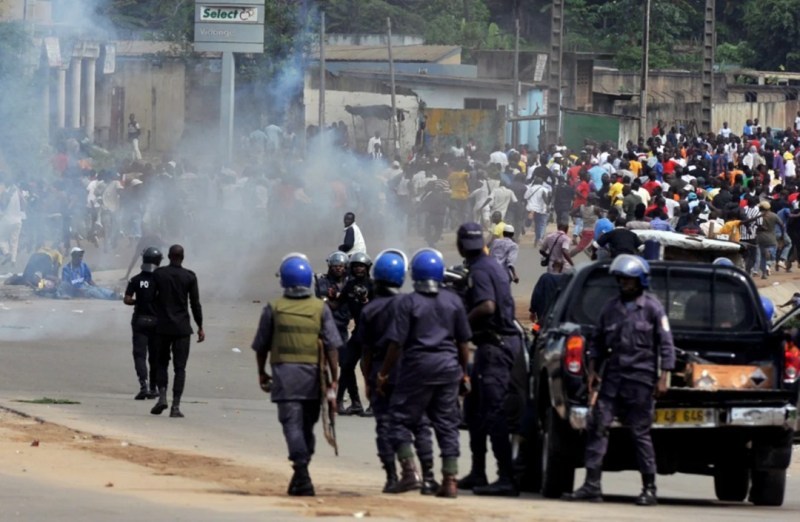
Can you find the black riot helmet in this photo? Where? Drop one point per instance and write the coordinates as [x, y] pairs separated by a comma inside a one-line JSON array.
[[151, 258]]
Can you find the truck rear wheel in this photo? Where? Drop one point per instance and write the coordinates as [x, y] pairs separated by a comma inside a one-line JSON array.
[[558, 468], [768, 487], [731, 483]]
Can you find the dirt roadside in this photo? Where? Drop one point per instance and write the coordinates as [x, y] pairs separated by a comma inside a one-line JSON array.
[[57, 454]]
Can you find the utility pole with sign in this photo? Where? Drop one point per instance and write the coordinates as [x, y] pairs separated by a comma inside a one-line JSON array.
[[228, 26]]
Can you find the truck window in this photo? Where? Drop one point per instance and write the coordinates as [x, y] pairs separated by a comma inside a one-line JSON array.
[[693, 300]]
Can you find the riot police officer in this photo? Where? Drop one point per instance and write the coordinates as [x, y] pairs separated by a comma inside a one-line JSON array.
[[491, 315], [141, 294], [431, 331], [632, 341], [357, 292], [288, 332], [388, 275], [329, 286]]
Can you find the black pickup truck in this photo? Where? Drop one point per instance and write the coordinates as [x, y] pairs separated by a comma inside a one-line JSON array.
[[730, 411]]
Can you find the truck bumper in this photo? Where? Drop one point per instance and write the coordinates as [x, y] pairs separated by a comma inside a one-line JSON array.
[[747, 416]]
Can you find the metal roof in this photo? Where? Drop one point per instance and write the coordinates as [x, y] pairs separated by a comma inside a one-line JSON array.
[[417, 79], [401, 53]]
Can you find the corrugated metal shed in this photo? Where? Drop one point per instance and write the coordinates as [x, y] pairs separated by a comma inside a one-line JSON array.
[[402, 53]]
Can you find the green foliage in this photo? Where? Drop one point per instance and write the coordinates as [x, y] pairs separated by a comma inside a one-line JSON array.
[[772, 31]]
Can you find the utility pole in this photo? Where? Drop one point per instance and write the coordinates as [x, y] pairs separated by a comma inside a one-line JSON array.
[[322, 73], [515, 110], [645, 68], [553, 128], [393, 121], [708, 69]]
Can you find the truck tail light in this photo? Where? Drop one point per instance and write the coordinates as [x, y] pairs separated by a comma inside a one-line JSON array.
[[791, 366], [573, 358]]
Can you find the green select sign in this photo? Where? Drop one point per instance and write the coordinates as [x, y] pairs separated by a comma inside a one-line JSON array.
[[235, 26], [229, 14]]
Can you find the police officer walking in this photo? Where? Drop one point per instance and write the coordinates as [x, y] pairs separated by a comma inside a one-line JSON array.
[[176, 293], [357, 292], [141, 294], [288, 332], [388, 275], [632, 342], [329, 286], [491, 315], [432, 332]]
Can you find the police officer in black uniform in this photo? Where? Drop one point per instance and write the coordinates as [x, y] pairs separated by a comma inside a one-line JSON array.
[[329, 286], [388, 274], [632, 342], [357, 292], [491, 315], [289, 331], [176, 292], [141, 294]]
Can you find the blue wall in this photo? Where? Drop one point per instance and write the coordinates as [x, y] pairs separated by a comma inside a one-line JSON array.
[[529, 130]]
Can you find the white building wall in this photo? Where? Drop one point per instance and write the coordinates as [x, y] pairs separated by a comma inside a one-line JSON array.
[[361, 129]]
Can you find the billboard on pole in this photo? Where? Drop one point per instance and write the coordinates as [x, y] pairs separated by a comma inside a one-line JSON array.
[[229, 26]]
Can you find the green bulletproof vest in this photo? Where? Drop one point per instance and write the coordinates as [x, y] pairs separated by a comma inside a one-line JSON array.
[[296, 330]]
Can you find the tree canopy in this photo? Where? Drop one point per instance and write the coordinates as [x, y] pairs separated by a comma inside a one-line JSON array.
[[753, 33]]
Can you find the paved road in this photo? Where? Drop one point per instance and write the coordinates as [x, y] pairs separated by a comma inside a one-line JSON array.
[[80, 350]]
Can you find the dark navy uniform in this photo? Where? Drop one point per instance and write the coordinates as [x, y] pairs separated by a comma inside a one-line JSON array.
[[142, 288], [428, 329], [376, 317], [498, 344], [296, 385], [327, 288], [633, 340], [357, 292]]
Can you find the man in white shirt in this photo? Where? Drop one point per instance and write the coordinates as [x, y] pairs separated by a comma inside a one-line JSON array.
[[502, 197], [353, 239], [499, 157], [537, 198], [725, 131], [375, 140]]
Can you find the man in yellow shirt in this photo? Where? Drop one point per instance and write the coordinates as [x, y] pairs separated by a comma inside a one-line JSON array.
[[635, 166], [459, 194], [616, 188]]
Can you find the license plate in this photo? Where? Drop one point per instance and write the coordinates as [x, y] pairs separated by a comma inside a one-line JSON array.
[[685, 417]]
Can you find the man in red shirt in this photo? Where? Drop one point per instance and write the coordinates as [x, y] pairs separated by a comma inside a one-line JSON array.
[[651, 184]]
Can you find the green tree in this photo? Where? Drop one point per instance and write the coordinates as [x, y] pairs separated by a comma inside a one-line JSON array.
[[772, 32]]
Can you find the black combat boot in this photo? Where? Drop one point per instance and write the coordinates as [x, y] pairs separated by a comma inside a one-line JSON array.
[[477, 475], [301, 485], [409, 478], [175, 411], [153, 393], [429, 484], [391, 475], [504, 486], [161, 405], [590, 491], [648, 495], [142, 395]]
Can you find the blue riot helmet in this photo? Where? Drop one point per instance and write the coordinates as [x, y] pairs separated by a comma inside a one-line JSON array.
[[296, 275], [627, 265], [768, 306], [390, 268], [723, 261], [427, 270]]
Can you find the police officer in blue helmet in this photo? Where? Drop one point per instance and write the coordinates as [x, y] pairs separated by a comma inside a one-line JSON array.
[[287, 335], [431, 331], [632, 342], [388, 274]]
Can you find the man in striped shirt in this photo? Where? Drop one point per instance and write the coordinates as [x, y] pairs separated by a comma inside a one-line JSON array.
[[752, 214]]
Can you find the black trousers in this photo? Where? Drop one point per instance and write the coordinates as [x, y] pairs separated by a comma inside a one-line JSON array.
[[349, 356], [144, 353], [175, 347]]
